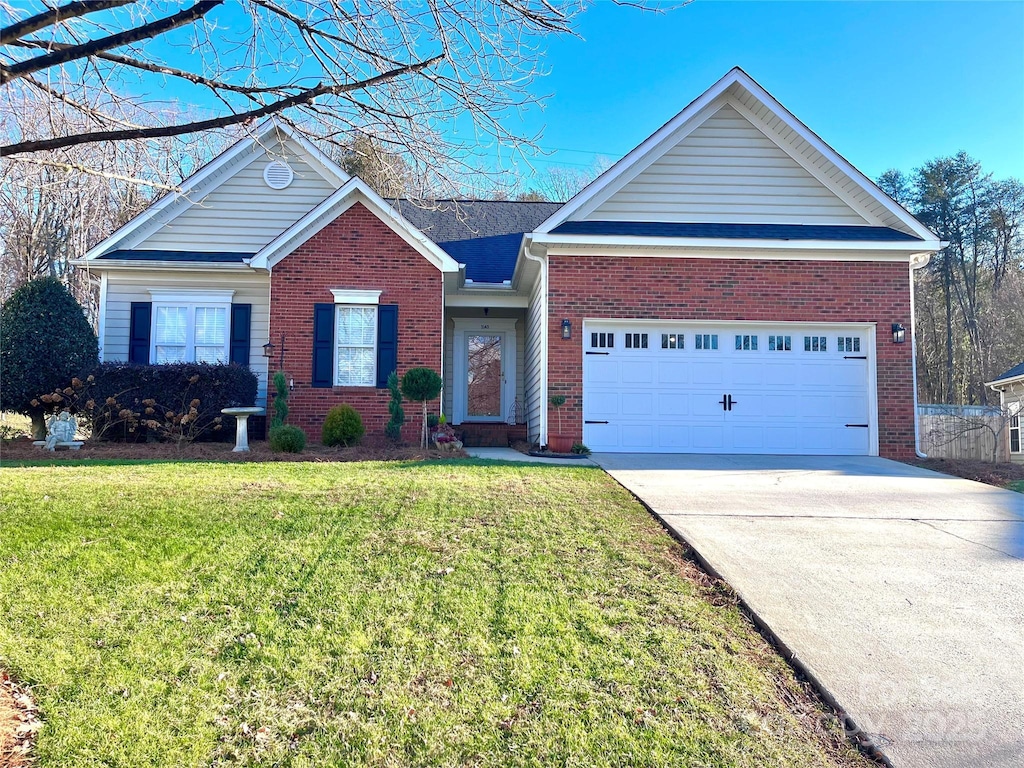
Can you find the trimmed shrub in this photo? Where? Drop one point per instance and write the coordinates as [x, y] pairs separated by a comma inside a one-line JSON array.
[[45, 341], [393, 430], [343, 426], [280, 382], [183, 401], [287, 439], [421, 385]]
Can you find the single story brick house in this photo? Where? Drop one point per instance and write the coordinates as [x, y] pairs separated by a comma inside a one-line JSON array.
[[730, 285], [1010, 387]]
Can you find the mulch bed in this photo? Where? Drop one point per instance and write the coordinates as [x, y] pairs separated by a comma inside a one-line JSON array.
[[19, 723], [368, 450], [982, 471]]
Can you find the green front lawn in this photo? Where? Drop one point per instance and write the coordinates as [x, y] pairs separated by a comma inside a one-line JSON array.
[[315, 614]]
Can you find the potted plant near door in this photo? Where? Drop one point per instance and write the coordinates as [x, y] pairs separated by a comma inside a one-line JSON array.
[[559, 442]]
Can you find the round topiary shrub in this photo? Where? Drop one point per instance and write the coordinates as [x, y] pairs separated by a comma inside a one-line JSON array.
[[287, 439], [45, 341], [343, 426]]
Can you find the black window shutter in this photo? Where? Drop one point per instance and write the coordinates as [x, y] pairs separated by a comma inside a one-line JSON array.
[[323, 345], [241, 315], [138, 332], [387, 342]]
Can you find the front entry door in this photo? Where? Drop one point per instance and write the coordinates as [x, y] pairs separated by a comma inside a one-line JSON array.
[[484, 370]]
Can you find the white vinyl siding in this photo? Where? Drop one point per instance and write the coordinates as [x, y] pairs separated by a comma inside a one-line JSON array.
[[856, 194], [243, 214], [449, 350], [123, 288], [534, 372], [727, 171]]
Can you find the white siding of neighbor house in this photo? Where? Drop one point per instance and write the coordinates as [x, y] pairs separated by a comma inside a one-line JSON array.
[[533, 370], [125, 287], [519, 315], [244, 214], [727, 171]]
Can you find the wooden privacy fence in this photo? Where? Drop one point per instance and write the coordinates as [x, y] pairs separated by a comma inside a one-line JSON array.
[[963, 432]]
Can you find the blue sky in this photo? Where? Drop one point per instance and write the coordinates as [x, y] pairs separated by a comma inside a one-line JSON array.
[[887, 84]]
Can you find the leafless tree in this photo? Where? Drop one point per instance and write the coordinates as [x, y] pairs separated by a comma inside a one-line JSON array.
[[397, 72]]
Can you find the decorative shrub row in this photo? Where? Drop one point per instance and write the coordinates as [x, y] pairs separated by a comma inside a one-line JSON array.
[[130, 402]]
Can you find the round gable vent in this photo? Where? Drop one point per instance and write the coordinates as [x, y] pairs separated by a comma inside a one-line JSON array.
[[278, 174]]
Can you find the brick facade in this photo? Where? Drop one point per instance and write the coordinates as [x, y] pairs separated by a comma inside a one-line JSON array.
[[755, 290], [355, 251]]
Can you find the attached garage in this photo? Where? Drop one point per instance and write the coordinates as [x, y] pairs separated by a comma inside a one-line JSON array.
[[698, 387]]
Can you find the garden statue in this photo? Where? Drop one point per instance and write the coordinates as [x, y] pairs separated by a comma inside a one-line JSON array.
[[60, 431]]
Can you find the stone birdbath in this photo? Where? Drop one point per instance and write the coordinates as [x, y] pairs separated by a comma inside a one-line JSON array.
[[242, 425]]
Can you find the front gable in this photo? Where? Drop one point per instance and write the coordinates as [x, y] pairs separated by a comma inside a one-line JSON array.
[[727, 170], [736, 156]]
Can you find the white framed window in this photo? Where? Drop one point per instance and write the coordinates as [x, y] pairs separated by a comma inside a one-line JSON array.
[[190, 326], [1015, 428], [355, 337]]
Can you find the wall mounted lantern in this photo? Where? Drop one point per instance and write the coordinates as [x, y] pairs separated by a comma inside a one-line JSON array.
[[566, 329], [899, 333], [268, 351]]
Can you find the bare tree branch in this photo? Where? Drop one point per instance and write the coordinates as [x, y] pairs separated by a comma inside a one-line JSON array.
[[144, 32], [80, 168], [53, 16]]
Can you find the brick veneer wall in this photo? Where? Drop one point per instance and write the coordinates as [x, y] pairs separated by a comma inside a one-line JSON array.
[[720, 289], [355, 251]]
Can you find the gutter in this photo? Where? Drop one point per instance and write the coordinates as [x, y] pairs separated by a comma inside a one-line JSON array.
[[918, 261]]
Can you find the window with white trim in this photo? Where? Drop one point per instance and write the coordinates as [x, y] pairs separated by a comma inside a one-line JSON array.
[[190, 328], [355, 338], [1015, 429]]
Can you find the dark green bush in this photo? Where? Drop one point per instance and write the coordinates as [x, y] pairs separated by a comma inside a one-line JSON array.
[[121, 400], [287, 439], [343, 426], [45, 341], [393, 430]]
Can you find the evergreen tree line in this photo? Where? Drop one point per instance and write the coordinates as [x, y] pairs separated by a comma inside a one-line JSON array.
[[969, 312]]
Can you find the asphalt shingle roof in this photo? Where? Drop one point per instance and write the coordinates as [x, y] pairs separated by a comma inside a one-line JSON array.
[[740, 231], [1017, 370], [482, 234], [215, 257]]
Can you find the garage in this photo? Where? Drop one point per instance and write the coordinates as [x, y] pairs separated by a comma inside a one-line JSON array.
[[696, 387]]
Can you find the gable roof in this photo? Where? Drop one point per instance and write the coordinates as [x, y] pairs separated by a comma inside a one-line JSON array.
[[1017, 372], [212, 175], [740, 92], [485, 235], [355, 190]]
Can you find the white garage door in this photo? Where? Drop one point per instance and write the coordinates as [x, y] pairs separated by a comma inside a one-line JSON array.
[[678, 388]]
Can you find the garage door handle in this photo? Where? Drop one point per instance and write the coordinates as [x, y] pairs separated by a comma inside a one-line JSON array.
[[855, 357], [588, 421], [598, 353], [857, 425]]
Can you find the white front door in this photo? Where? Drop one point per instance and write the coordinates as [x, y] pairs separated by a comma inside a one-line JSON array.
[[687, 387], [484, 384]]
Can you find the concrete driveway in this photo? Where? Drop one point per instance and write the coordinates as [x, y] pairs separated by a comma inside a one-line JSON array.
[[900, 590]]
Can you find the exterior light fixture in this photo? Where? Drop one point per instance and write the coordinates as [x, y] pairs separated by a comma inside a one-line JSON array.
[[566, 329], [268, 351], [899, 333]]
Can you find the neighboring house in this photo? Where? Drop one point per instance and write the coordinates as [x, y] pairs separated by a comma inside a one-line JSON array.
[[731, 285], [1010, 387]]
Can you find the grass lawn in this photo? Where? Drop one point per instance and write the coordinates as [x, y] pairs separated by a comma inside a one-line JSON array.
[[378, 614]]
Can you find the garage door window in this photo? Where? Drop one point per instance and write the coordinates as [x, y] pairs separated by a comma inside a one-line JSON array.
[[636, 341], [707, 341], [780, 343], [602, 340], [849, 344], [672, 340], [815, 343], [746, 343]]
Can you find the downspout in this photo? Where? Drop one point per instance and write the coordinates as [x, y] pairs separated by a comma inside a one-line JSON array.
[[916, 262], [542, 434]]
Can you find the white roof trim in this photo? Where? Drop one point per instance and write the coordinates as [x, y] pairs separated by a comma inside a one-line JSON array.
[[998, 383], [209, 172], [612, 180], [626, 241], [353, 191]]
